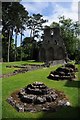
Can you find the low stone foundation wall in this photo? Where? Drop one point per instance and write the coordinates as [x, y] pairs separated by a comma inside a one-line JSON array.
[[55, 62], [31, 67], [1, 59]]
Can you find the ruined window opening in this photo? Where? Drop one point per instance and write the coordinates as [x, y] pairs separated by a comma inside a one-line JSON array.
[[56, 42], [48, 41], [52, 33]]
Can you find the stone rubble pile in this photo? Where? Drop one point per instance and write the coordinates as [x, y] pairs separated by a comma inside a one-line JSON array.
[[26, 68], [37, 97], [22, 70], [64, 72]]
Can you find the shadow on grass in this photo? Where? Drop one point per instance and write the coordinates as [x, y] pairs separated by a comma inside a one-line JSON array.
[[62, 114], [65, 113], [73, 84]]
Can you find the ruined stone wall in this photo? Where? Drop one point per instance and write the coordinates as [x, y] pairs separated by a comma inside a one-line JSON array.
[[53, 46]]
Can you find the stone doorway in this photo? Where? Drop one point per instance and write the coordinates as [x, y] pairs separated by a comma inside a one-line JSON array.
[[60, 53], [50, 54], [42, 54]]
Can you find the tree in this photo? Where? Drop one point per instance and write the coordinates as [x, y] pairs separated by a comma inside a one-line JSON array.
[[68, 35], [14, 16], [6, 26], [27, 48], [35, 24], [54, 24], [20, 21]]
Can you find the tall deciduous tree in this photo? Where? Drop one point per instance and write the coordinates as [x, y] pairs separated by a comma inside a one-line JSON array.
[[68, 33]]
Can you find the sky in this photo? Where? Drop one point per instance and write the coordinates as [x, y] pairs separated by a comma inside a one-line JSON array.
[[51, 10]]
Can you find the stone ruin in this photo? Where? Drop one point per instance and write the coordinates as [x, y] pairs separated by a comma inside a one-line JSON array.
[[25, 68], [38, 97], [52, 47], [64, 72]]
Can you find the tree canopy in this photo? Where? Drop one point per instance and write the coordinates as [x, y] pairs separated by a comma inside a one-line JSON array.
[[35, 24], [15, 19], [69, 32]]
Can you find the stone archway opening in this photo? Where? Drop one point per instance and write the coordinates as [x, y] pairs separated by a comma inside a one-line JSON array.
[[42, 54], [61, 53], [50, 54]]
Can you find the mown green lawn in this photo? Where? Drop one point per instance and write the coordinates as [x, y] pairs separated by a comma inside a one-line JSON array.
[[21, 80]]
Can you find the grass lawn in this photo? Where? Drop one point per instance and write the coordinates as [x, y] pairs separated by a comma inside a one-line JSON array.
[[21, 80]]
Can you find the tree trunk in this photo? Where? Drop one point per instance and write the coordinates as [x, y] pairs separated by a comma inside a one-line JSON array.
[[8, 44], [21, 46], [31, 34], [11, 37], [33, 44], [15, 46], [31, 39]]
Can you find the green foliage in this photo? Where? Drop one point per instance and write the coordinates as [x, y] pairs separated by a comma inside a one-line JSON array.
[[77, 55], [29, 49], [54, 24], [69, 32], [35, 23], [14, 17]]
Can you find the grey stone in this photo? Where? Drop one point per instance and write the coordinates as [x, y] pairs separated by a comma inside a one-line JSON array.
[[45, 109], [67, 103], [19, 107], [11, 101], [64, 72], [63, 103], [54, 96], [40, 100], [48, 99], [52, 47], [28, 98]]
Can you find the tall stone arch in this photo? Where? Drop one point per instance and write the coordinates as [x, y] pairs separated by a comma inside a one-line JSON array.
[[50, 54], [42, 54], [61, 53]]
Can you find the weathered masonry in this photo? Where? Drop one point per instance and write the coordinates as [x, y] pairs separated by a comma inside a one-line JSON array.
[[53, 47]]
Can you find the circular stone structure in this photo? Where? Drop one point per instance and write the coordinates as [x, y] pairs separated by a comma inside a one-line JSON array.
[[37, 97], [66, 72]]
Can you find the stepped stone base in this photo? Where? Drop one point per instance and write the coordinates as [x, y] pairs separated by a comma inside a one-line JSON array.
[[64, 72], [37, 97]]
